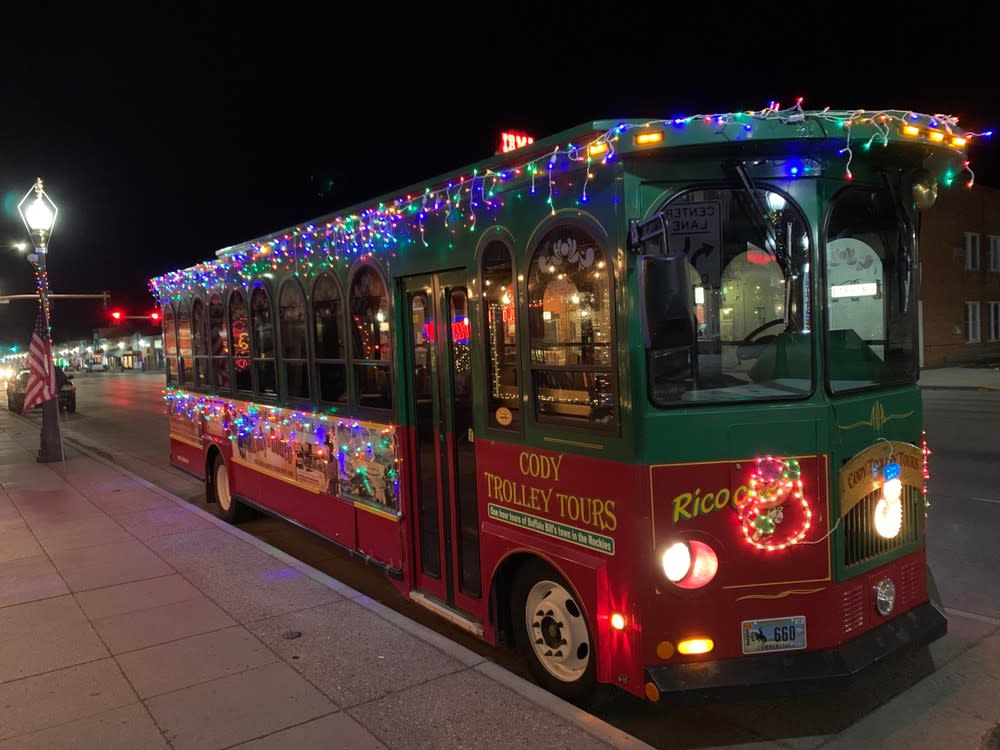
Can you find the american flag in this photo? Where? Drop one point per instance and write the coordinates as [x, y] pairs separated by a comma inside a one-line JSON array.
[[41, 372]]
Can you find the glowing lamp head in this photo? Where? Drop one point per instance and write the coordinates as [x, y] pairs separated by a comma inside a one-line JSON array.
[[691, 564], [116, 315], [618, 621], [39, 216], [677, 561]]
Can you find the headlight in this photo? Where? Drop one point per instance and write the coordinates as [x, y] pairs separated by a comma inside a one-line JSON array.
[[677, 561], [690, 565]]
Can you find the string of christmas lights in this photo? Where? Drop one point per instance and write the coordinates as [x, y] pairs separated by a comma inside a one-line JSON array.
[[386, 228], [773, 482], [352, 441]]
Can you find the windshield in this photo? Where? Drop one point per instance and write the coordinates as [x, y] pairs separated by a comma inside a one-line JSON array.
[[727, 310], [871, 319]]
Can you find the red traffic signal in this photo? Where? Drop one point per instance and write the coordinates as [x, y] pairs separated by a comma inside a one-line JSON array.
[[155, 316], [116, 315]]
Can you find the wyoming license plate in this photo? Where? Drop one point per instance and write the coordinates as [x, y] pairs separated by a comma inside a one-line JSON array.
[[780, 634]]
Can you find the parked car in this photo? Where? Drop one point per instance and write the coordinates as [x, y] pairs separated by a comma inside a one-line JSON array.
[[18, 386]]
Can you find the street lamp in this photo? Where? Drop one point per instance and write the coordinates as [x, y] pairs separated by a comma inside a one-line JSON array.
[[38, 213]]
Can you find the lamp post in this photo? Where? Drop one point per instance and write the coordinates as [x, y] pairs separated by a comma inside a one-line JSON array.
[[39, 216]]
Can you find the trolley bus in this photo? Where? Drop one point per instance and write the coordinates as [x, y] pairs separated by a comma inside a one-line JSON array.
[[639, 398]]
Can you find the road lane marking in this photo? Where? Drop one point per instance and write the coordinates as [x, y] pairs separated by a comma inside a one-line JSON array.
[[972, 616]]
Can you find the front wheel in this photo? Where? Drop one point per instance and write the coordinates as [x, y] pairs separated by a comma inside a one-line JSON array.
[[230, 509], [551, 632]]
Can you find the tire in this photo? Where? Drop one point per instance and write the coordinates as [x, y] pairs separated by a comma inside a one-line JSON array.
[[71, 406], [229, 509], [552, 634]]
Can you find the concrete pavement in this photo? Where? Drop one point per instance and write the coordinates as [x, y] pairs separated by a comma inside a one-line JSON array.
[[964, 378], [130, 619]]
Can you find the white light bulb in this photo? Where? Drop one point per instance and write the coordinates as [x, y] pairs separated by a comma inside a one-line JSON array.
[[39, 216]]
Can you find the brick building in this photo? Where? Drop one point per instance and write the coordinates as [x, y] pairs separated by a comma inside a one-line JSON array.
[[960, 278]]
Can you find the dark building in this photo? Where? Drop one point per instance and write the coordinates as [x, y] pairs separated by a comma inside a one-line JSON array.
[[960, 278]]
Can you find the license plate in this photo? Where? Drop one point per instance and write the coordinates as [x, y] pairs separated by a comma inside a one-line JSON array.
[[779, 634]]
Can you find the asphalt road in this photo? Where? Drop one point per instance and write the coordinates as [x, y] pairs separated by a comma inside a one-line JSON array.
[[121, 417]]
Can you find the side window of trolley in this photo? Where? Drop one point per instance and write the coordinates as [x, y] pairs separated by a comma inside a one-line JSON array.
[[199, 344], [170, 343], [570, 328], [239, 338], [871, 292], [502, 366], [371, 340], [726, 306], [262, 322], [328, 340], [185, 367], [294, 356], [218, 334]]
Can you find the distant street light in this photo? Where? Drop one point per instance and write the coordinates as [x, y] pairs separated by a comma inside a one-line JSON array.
[[39, 217]]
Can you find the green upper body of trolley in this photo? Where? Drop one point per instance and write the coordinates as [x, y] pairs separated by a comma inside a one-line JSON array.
[[765, 275]]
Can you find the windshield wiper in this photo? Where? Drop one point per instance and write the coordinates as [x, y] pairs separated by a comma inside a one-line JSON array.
[[759, 214]]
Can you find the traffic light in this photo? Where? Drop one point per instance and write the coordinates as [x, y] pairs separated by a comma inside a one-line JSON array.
[[116, 315], [155, 317]]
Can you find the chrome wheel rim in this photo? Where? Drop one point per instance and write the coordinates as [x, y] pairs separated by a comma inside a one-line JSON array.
[[222, 495], [557, 631]]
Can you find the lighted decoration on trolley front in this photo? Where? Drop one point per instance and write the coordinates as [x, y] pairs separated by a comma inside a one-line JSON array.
[[774, 482], [889, 509]]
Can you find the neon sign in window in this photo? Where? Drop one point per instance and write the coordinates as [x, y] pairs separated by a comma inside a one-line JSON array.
[[460, 331]]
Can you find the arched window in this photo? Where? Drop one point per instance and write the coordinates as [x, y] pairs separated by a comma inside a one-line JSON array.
[[239, 335], [198, 343], [219, 339], [570, 327], [500, 316], [371, 341], [328, 340], [292, 317], [170, 343], [262, 321], [185, 365]]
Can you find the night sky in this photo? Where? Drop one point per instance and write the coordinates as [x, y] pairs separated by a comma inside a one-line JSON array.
[[164, 139]]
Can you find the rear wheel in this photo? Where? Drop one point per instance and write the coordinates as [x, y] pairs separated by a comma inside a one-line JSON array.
[[551, 632], [230, 509]]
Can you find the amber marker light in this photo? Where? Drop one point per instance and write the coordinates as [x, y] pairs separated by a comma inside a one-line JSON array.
[[910, 130], [618, 621], [695, 646], [597, 149], [648, 139], [936, 136], [958, 142]]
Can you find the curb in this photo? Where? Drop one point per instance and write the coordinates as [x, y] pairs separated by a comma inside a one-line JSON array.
[[569, 713]]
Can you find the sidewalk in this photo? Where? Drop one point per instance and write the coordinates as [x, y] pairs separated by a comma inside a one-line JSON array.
[[962, 378], [130, 619]]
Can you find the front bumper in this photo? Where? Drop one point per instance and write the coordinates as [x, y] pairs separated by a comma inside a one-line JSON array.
[[916, 627]]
